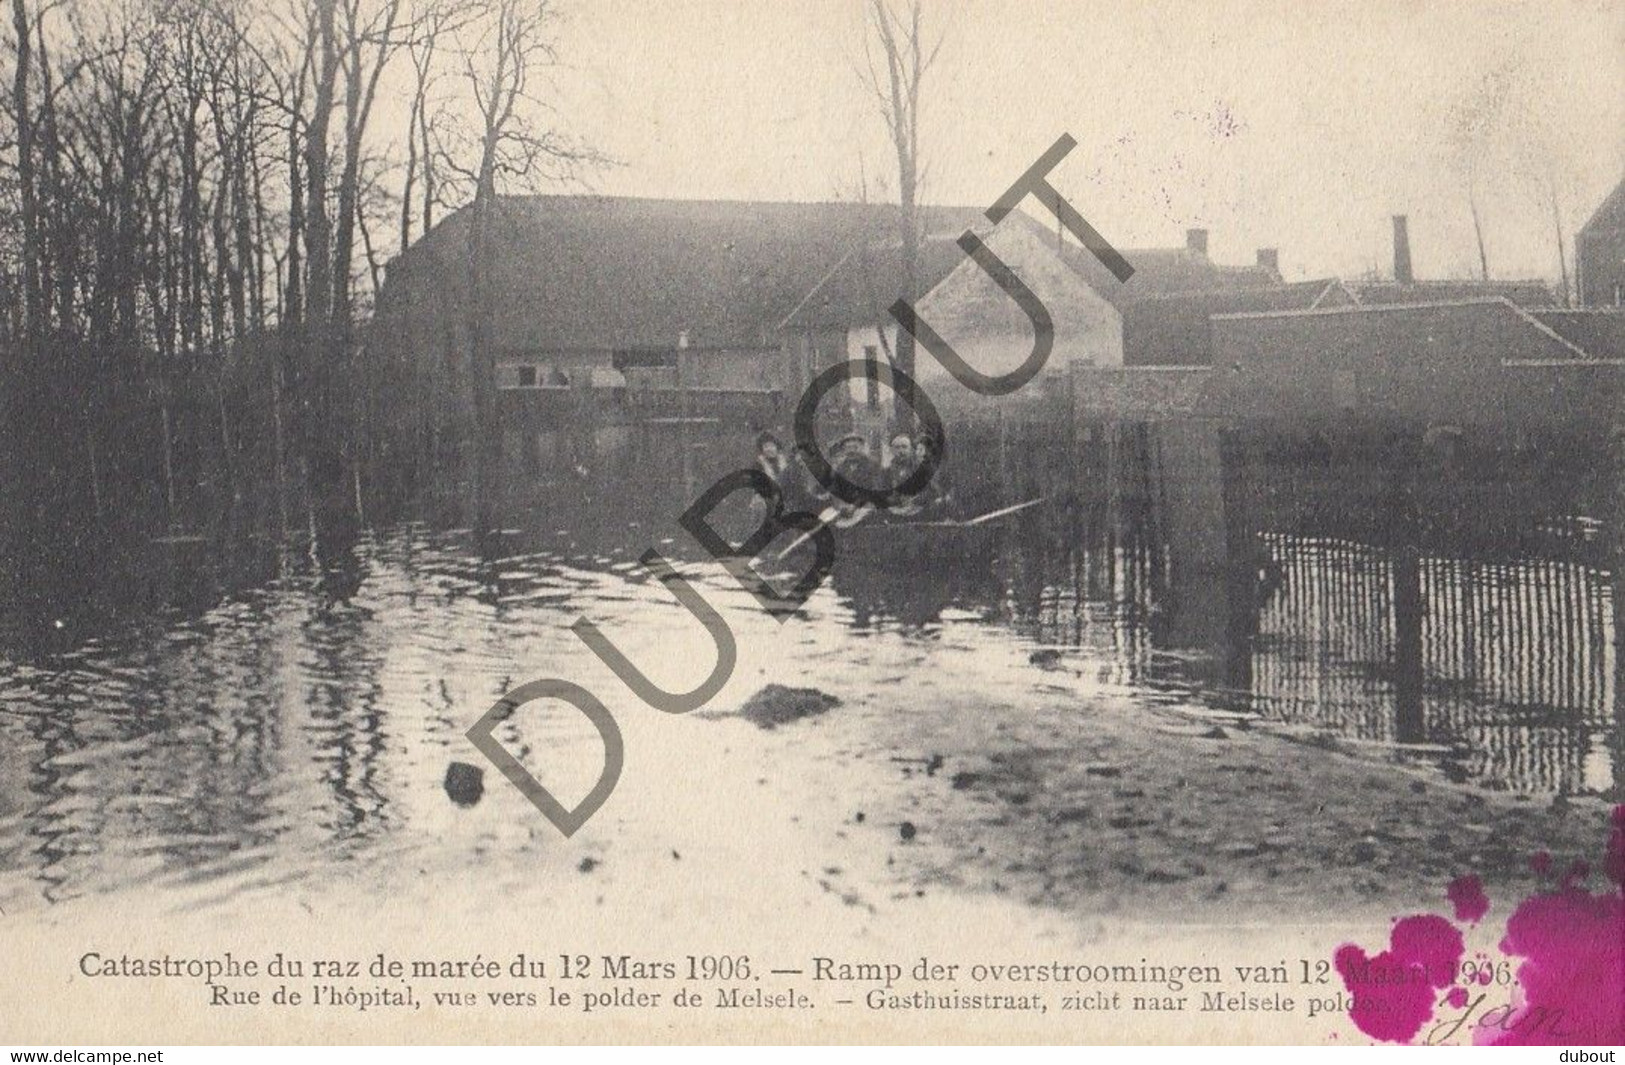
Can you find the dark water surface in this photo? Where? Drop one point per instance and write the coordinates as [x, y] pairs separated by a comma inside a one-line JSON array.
[[205, 713]]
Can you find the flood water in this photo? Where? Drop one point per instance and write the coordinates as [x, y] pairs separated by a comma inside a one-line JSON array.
[[215, 717]]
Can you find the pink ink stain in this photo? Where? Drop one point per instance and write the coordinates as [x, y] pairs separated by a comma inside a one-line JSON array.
[[1466, 894], [1568, 988], [1572, 980], [1393, 993]]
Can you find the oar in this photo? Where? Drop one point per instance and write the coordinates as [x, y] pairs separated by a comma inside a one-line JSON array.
[[824, 519], [1007, 510]]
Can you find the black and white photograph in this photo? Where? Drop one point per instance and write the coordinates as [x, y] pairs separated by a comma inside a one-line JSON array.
[[838, 521]]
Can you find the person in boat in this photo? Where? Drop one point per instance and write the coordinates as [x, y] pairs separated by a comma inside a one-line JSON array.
[[851, 460], [770, 456], [800, 487], [770, 460], [906, 458], [929, 449]]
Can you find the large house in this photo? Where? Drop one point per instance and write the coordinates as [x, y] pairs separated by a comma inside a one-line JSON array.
[[662, 307], [612, 292]]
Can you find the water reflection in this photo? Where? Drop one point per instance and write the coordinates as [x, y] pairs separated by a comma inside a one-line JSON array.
[[1472, 625], [225, 712]]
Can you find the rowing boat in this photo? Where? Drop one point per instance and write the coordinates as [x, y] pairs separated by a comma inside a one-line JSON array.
[[912, 544]]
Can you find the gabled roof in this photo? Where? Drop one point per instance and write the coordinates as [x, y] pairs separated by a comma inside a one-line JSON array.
[[1522, 293], [1495, 326], [1164, 272], [868, 279], [865, 283], [597, 272], [1522, 337], [1176, 330], [618, 273], [1610, 214]]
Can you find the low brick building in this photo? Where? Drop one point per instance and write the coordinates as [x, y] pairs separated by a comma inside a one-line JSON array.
[[1468, 363]]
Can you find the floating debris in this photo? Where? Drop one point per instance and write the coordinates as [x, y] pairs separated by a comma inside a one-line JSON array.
[[778, 705], [1046, 658], [465, 784]]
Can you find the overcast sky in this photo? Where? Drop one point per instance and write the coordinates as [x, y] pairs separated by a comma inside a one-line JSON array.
[[1302, 125]]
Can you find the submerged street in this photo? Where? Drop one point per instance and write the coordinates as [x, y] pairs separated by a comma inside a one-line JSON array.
[[284, 743]]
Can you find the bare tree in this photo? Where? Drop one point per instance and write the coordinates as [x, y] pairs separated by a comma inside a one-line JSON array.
[[506, 51], [17, 402], [318, 228], [22, 110], [371, 38], [1478, 229], [1504, 125], [1474, 120], [433, 21], [896, 31], [1566, 293], [199, 213]]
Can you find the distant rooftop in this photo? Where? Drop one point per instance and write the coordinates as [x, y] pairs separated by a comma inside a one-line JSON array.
[[1164, 272], [1176, 329], [1522, 293], [582, 272], [868, 279], [597, 272]]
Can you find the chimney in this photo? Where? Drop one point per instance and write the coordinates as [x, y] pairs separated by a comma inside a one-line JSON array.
[[1196, 241], [1402, 251], [1270, 259]]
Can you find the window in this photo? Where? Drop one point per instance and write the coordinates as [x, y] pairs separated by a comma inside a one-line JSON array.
[[527, 377], [1619, 294], [644, 358]]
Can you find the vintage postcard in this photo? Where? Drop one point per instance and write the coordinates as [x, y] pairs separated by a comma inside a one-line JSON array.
[[729, 521]]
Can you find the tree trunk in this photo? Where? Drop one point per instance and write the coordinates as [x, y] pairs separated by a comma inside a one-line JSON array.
[[1562, 250], [321, 404], [487, 439], [411, 173], [27, 182], [427, 150], [1478, 232]]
